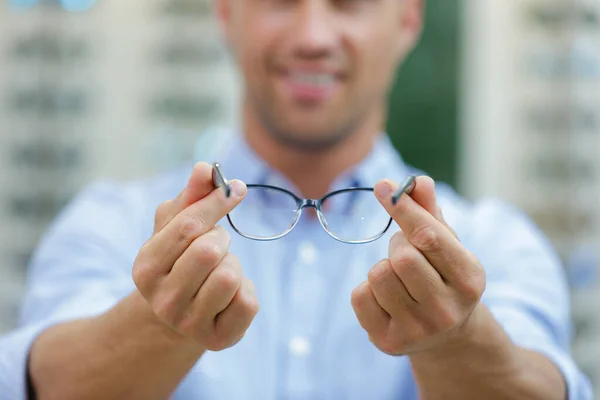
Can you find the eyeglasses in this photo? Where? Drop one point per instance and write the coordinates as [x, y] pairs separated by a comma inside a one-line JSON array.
[[351, 215]]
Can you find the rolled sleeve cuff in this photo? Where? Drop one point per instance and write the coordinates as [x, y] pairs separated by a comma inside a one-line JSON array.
[[14, 353], [531, 335], [16, 345]]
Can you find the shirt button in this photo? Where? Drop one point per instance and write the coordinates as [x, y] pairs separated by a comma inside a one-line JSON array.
[[308, 252], [299, 346]]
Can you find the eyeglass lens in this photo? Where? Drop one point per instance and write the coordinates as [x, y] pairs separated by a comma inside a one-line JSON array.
[[353, 215], [265, 213]]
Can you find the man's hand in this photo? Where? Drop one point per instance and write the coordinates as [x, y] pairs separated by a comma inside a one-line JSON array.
[[185, 271], [429, 286]]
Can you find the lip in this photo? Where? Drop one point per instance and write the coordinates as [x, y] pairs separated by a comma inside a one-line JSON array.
[[306, 92]]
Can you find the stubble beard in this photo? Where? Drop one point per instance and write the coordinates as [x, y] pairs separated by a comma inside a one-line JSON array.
[[323, 141]]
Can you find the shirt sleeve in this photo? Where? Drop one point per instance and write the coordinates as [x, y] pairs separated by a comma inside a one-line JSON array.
[[527, 289], [81, 268]]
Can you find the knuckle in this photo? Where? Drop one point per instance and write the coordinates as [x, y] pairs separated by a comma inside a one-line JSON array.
[[379, 272], [188, 326], [227, 278], [209, 252], [404, 261], [165, 307], [250, 305], [162, 211], [140, 277], [218, 343], [164, 206], [189, 228], [472, 288], [223, 339], [414, 336], [143, 275], [472, 258], [358, 296], [193, 325], [397, 241], [224, 235], [391, 347], [425, 238], [445, 318]]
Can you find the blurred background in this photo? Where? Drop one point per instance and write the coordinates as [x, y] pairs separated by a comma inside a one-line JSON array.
[[501, 98]]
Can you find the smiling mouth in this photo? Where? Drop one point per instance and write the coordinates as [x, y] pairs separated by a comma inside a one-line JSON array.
[[318, 80], [310, 87]]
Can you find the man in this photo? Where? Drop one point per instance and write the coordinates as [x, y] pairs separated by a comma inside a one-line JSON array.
[[134, 296]]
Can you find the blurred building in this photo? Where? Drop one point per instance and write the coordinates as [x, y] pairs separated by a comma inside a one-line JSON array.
[[531, 132], [121, 90]]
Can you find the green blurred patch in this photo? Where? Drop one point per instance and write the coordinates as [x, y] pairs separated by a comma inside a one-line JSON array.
[[423, 112]]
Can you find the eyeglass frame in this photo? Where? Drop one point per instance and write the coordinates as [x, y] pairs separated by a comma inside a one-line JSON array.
[[219, 180]]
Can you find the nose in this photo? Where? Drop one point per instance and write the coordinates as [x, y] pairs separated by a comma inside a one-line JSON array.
[[313, 28]]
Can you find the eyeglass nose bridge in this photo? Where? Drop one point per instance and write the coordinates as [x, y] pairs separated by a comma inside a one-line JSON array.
[[309, 203]]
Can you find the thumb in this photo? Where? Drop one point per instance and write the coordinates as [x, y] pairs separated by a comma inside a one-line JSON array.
[[424, 195], [199, 185]]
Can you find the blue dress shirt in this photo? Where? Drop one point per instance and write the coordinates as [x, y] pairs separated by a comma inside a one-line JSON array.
[[306, 342]]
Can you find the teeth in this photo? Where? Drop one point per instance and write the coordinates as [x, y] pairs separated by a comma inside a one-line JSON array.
[[312, 79]]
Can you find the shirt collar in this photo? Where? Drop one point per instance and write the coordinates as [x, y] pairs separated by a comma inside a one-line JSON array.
[[239, 160], [383, 161]]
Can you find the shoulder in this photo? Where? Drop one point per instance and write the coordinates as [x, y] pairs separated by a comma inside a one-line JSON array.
[[519, 259], [496, 231], [118, 209]]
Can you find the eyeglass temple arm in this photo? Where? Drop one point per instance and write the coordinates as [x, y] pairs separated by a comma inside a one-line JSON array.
[[406, 187], [219, 179]]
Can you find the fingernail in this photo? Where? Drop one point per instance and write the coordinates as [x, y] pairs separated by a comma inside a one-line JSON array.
[[238, 188], [383, 189]]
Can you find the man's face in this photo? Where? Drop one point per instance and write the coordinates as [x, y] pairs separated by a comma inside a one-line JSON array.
[[315, 70]]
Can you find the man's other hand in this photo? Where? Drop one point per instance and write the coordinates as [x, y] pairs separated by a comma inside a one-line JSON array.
[[429, 286]]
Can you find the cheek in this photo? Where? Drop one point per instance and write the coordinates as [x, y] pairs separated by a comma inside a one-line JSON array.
[[374, 43], [376, 60], [254, 52], [249, 60]]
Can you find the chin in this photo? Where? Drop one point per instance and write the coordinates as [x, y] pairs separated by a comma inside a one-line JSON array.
[[303, 126], [309, 138]]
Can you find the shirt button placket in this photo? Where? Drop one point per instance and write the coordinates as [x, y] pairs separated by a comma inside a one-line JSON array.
[[306, 291]]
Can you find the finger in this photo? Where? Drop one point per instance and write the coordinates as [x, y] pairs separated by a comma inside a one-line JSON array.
[[446, 224], [218, 290], [199, 185], [195, 265], [420, 278], [389, 290], [232, 323], [424, 195], [163, 249], [371, 316], [161, 216], [430, 236]]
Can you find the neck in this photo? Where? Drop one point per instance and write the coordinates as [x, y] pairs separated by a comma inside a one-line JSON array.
[[312, 172]]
